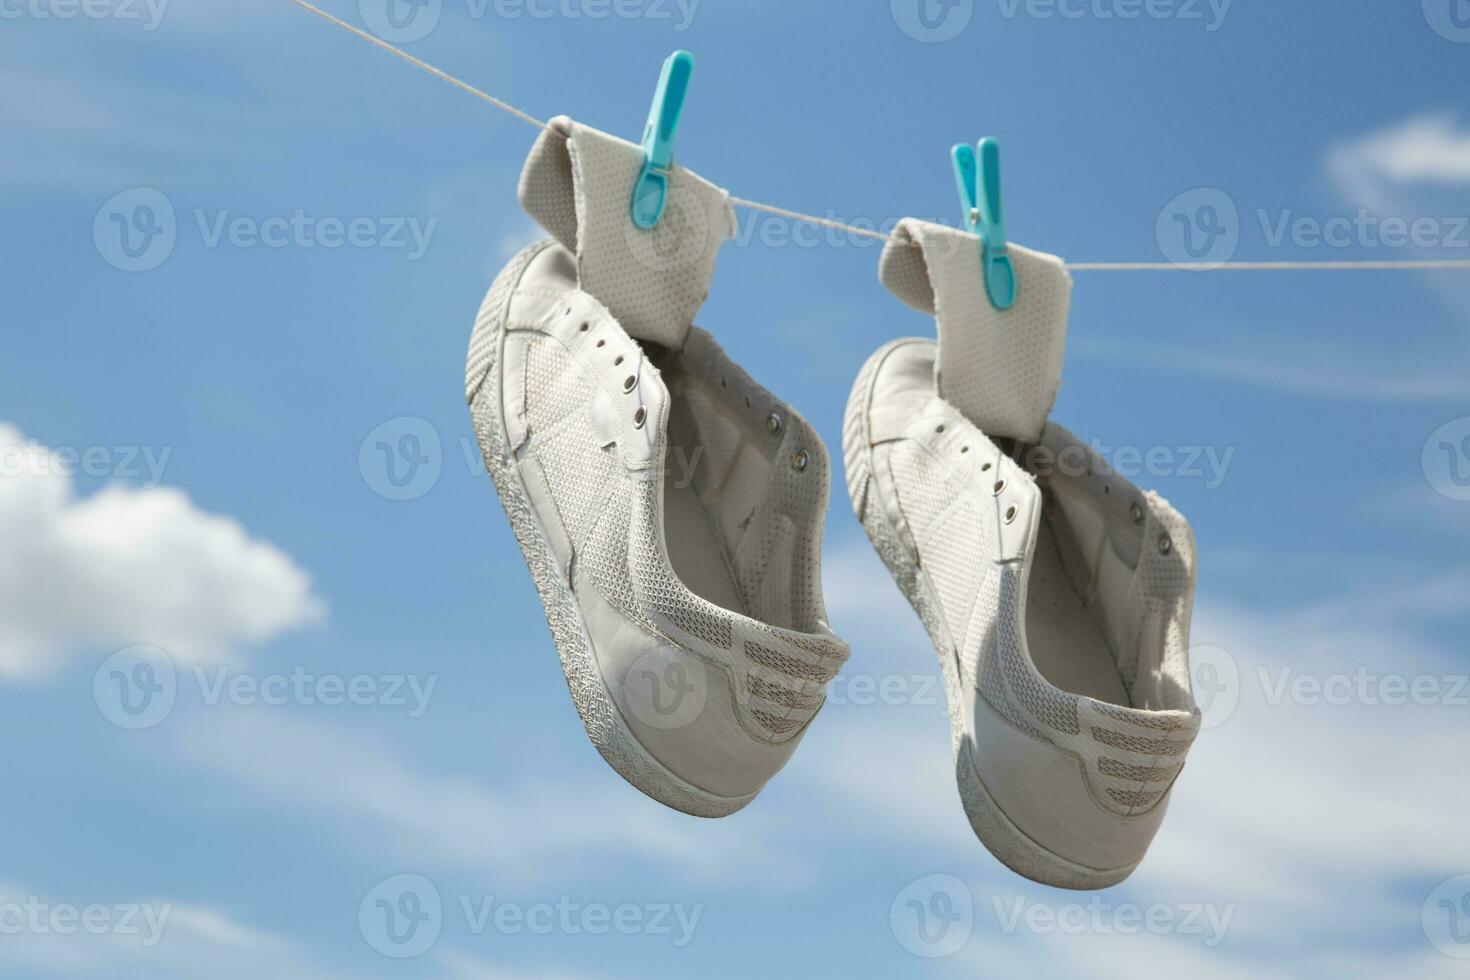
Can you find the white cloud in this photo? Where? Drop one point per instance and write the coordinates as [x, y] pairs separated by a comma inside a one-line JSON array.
[[1426, 149], [128, 565]]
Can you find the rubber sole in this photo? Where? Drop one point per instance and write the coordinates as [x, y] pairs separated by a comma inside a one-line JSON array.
[[595, 705], [1002, 838]]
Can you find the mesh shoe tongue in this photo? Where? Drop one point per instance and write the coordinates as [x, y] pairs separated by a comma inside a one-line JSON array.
[[578, 183], [1000, 368]]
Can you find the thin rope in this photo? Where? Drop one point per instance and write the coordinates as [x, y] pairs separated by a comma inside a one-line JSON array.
[[1349, 266]]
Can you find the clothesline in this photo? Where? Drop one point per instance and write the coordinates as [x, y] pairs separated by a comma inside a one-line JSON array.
[[1330, 266]]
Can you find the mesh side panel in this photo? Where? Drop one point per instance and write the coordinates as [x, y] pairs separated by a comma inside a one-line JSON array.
[[554, 386], [923, 493], [991, 682], [952, 555], [1136, 799], [1045, 703], [604, 558], [581, 475], [1145, 719], [1139, 744], [786, 697], [784, 663], [665, 593], [777, 725], [1137, 774]]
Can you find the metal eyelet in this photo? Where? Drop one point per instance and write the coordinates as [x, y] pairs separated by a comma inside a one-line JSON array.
[[985, 468], [630, 383], [800, 461], [1010, 515], [1136, 512], [964, 449], [939, 429], [773, 424], [602, 343], [999, 488], [639, 417], [585, 327], [617, 360], [1166, 544]]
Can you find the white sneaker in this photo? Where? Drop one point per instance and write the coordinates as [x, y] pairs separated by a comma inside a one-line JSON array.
[[670, 510], [1056, 594]]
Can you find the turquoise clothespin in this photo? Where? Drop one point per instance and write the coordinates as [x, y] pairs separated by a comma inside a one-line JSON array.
[[651, 191], [979, 184]]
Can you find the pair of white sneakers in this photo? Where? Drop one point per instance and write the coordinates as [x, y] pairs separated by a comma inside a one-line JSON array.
[[671, 513]]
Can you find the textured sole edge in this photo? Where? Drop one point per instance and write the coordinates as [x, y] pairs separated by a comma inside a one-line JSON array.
[[1002, 838], [595, 706]]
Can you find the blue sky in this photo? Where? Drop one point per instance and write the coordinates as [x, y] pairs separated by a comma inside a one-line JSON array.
[[191, 466]]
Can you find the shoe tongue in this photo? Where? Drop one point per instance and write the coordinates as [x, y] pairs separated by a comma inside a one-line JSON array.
[[1000, 368], [578, 184]]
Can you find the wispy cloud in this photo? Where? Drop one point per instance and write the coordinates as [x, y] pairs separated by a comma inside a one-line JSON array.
[[386, 803], [1322, 825], [1426, 149]]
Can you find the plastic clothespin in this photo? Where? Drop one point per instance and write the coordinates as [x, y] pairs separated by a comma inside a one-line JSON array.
[[651, 192], [979, 182]]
